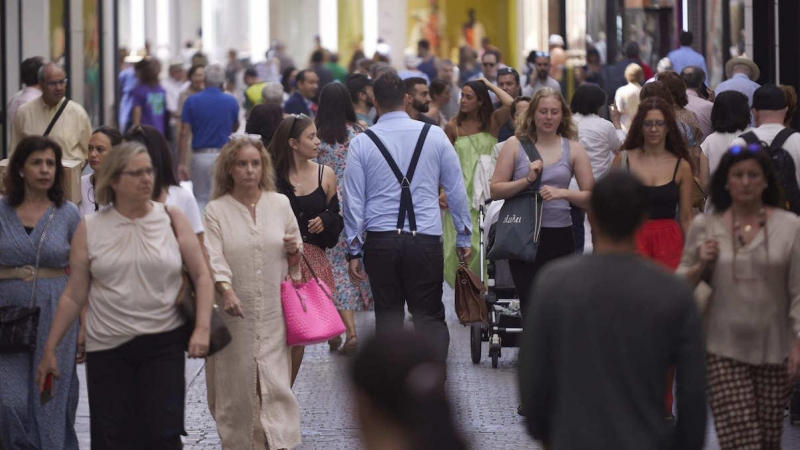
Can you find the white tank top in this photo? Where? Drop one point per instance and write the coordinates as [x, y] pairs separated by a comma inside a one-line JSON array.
[[135, 267]]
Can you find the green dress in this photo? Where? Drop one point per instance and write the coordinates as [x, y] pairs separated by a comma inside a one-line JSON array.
[[469, 150]]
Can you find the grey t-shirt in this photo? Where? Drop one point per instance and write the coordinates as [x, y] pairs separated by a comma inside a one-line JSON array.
[[602, 333]]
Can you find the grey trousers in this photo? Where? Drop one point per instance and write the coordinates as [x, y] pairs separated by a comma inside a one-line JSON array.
[[202, 174]]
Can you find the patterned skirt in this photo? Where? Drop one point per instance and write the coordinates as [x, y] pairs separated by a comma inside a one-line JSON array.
[[348, 296], [319, 265]]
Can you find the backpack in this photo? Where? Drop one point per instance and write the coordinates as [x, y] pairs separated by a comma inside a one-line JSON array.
[[784, 166]]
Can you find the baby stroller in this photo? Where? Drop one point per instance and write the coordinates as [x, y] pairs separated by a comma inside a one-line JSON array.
[[505, 322]]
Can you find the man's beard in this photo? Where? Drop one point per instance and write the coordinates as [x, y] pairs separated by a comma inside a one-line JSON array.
[[421, 107]]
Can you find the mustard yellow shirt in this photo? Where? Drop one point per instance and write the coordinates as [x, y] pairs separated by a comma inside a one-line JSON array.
[[71, 131]]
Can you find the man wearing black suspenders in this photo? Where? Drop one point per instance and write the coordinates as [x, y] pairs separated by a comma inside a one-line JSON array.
[[391, 191]]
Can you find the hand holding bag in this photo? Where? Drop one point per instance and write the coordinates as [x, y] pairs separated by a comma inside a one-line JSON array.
[[470, 304], [520, 220], [186, 301], [309, 312], [19, 324]]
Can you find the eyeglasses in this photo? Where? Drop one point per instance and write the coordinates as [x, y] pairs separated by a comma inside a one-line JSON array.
[[55, 83], [753, 148], [488, 64], [141, 173], [654, 123]]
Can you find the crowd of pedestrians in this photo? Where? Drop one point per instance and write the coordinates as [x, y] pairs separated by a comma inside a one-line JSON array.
[[372, 182]]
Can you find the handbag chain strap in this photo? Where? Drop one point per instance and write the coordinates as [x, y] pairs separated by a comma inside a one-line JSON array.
[[38, 253]]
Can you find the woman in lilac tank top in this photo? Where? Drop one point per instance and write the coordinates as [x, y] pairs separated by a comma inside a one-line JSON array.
[[548, 124]]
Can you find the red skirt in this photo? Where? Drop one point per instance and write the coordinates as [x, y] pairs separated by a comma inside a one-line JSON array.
[[320, 264], [662, 241]]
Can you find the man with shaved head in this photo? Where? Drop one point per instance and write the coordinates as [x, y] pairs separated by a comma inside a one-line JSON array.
[[71, 130]]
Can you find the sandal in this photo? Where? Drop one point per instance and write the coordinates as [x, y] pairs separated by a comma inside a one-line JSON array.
[[335, 343], [350, 347]]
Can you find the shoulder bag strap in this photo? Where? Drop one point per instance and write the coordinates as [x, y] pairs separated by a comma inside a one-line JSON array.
[[750, 137], [780, 139], [55, 118], [38, 254], [533, 155]]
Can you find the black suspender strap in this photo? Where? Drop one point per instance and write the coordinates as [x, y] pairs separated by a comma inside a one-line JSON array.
[[406, 203], [55, 118]]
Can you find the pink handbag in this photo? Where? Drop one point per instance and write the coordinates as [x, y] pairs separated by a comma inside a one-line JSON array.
[[309, 312]]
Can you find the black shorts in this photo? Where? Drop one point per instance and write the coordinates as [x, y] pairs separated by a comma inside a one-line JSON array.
[[137, 393]]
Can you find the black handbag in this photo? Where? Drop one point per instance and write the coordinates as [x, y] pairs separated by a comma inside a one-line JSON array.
[[520, 220], [186, 301], [19, 324]]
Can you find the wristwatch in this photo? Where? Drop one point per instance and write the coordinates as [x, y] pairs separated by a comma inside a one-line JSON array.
[[348, 257]]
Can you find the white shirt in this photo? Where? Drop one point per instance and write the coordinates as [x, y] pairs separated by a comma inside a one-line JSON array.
[[601, 141], [185, 201], [173, 89], [767, 133], [627, 100], [87, 206], [702, 109], [715, 146]]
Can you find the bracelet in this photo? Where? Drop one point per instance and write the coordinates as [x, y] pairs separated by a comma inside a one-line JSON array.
[[222, 287]]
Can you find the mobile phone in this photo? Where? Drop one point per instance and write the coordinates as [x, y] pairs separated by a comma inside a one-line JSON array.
[[47, 392]]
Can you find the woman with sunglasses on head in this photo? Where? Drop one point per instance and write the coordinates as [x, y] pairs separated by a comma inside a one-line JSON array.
[[166, 188], [100, 143], [312, 192], [253, 242], [473, 132], [126, 262], [337, 125], [748, 250], [37, 225]]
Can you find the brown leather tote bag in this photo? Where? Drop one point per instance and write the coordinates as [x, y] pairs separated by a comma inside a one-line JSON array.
[[470, 304]]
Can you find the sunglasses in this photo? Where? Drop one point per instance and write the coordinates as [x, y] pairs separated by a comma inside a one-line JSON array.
[[487, 64], [294, 122], [507, 71], [753, 148]]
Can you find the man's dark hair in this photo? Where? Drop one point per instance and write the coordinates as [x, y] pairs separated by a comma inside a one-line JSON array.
[[587, 99], [491, 52], [632, 50], [356, 83], [424, 44], [731, 112], [693, 76], [619, 204], [301, 76], [286, 79], [686, 38], [389, 90], [317, 57], [29, 70], [251, 72], [508, 71], [438, 86], [413, 81]]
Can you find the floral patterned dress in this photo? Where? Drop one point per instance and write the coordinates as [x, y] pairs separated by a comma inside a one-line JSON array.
[[348, 296]]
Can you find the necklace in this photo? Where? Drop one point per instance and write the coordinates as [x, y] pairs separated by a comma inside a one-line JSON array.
[[747, 228]]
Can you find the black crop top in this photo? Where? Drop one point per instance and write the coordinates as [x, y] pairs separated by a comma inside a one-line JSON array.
[[307, 207], [664, 199]]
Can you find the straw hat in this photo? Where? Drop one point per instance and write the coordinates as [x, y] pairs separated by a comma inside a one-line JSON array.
[[755, 72]]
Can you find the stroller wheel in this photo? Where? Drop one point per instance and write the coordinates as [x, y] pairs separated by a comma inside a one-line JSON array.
[[475, 342], [494, 353]]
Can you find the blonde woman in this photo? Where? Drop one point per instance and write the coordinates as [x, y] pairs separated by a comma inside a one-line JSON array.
[[125, 260], [253, 242]]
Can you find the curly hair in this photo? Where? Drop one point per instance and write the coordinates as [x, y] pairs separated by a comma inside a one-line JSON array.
[[721, 197], [675, 142], [223, 181], [13, 182], [485, 109], [526, 127], [676, 87]]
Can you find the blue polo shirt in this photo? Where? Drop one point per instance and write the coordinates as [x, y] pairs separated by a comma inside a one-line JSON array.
[[211, 114]]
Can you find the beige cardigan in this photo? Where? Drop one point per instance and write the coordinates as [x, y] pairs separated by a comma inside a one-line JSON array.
[[756, 319]]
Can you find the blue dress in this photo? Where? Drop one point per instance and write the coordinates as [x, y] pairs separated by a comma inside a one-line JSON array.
[[24, 422]]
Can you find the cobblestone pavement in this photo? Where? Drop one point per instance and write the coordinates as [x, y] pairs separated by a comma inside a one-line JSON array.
[[484, 399]]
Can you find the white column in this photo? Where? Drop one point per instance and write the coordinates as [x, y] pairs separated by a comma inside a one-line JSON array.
[[259, 29], [35, 31], [77, 66], [576, 25], [393, 27], [137, 25], [532, 26], [329, 24], [209, 38], [110, 56], [297, 35], [370, 20], [163, 23]]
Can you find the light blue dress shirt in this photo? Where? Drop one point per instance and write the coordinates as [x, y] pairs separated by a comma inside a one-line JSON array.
[[372, 193], [685, 57], [741, 83]]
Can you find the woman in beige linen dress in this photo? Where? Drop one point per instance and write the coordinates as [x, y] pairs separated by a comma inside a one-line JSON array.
[[252, 240]]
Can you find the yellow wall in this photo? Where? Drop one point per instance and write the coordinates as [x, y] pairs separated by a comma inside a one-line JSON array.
[[351, 29], [497, 16]]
